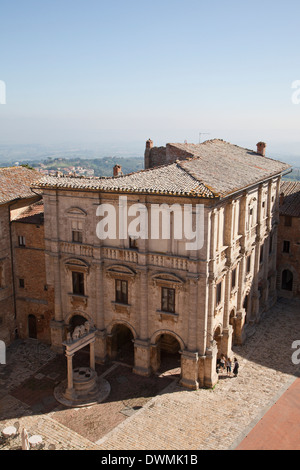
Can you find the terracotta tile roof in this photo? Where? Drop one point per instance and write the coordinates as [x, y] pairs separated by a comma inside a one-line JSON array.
[[15, 183], [215, 169], [226, 168], [33, 214], [168, 179], [291, 200]]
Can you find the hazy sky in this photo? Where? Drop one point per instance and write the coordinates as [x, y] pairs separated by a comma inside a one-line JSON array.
[[95, 71]]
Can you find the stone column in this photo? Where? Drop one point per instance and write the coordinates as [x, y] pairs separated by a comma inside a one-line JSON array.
[[142, 358], [69, 393], [143, 303], [92, 355], [226, 343], [189, 370], [100, 345], [155, 357], [241, 313], [210, 366], [192, 312]]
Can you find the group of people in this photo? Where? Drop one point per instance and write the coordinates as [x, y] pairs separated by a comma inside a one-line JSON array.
[[225, 364]]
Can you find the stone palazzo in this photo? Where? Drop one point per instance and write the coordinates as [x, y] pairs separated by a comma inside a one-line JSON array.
[[158, 293]]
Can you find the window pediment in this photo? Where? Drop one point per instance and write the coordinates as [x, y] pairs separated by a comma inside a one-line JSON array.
[[120, 270], [77, 264], [76, 212], [167, 279]]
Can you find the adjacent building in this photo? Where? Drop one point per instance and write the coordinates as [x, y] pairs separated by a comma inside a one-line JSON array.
[[288, 248], [111, 262], [15, 194], [34, 299]]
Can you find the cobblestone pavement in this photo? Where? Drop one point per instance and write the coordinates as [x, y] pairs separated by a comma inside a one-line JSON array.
[[153, 413]]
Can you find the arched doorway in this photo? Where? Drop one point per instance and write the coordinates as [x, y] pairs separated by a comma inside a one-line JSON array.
[[32, 326], [218, 339], [122, 344], [167, 355], [287, 280]]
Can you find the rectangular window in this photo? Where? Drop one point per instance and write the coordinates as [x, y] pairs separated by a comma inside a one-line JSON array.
[[233, 279], [248, 264], [22, 241], [271, 244], [261, 254], [122, 292], [78, 283], [286, 246], [168, 300], [76, 236], [21, 283], [219, 293], [133, 243]]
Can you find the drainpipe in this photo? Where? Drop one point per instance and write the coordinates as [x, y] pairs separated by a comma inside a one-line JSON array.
[[12, 261]]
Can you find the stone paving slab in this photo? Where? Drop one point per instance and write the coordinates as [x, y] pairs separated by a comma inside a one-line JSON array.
[[165, 417]]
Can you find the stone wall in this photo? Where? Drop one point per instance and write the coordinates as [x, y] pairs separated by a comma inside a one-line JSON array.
[[210, 309], [7, 311], [36, 297], [288, 259]]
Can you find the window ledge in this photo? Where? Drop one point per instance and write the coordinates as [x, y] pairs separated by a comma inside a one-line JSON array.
[[171, 315], [120, 308], [79, 298], [120, 303]]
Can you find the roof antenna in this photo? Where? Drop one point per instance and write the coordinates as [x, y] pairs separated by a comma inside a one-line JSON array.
[[202, 133]]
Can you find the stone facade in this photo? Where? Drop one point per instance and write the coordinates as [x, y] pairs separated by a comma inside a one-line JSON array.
[[157, 293], [15, 194], [288, 249], [33, 297]]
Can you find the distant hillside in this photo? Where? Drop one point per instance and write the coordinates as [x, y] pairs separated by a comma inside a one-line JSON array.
[[100, 166], [294, 175]]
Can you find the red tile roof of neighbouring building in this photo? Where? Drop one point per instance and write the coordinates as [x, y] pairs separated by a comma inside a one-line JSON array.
[[15, 183], [291, 200], [33, 214]]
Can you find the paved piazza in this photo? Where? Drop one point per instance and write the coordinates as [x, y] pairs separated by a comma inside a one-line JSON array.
[[152, 413]]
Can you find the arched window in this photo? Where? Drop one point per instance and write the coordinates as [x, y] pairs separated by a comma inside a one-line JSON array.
[[287, 280]]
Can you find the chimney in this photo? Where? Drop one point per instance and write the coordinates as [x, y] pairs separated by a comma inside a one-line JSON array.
[[117, 170], [149, 146], [281, 199], [261, 148]]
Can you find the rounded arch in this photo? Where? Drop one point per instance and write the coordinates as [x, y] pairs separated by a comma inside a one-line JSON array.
[[115, 323], [218, 337], [218, 329], [120, 342], [288, 278], [159, 333], [78, 313]]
